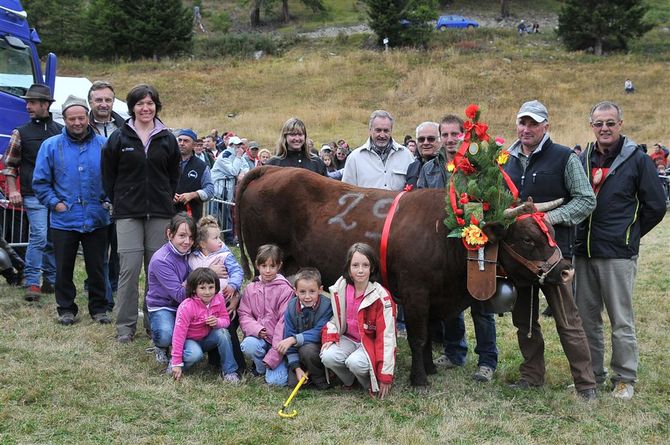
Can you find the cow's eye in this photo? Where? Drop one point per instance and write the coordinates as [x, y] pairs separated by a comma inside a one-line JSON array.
[[527, 240]]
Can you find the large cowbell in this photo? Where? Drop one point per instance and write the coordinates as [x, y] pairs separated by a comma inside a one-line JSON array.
[[497, 293]]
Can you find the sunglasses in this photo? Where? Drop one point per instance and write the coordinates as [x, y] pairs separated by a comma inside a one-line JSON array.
[[423, 139], [609, 124]]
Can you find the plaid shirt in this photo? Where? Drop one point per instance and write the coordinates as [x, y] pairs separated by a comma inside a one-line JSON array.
[[13, 155]]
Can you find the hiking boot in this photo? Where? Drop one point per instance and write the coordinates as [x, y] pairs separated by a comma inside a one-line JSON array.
[[125, 338], [66, 318], [47, 288], [623, 391], [587, 395], [233, 377], [445, 362], [102, 318], [32, 293], [484, 374], [521, 384], [161, 356]]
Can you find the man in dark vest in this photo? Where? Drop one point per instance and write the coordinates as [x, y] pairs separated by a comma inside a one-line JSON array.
[[20, 159], [195, 183], [545, 171]]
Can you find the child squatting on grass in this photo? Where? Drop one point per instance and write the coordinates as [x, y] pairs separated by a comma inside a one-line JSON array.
[[200, 326], [306, 314], [167, 273], [210, 250], [261, 315], [359, 342]]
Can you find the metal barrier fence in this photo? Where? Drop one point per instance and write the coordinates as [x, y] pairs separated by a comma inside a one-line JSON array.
[[13, 224], [222, 210]]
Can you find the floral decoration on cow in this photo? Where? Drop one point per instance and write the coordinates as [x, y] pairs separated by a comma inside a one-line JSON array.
[[479, 190]]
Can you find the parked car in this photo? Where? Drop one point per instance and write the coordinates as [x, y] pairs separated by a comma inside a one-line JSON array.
[[455, 21]]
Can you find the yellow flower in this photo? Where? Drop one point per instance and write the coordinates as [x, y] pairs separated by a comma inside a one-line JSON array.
[[503, 157], [451, 167], [474, 236]]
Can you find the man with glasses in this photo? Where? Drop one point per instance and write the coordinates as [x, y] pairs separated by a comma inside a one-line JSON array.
[[630, 202], [544, 170], [428, 140], [381, 162]]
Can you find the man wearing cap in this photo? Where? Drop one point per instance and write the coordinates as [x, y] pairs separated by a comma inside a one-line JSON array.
[[195, 183], [251, 155], [67, 179], [381, 162], [545, 171], [228, 168], [20, 159], [104, 119], [630, 203]]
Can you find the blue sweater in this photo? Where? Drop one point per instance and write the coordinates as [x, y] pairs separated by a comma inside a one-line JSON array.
[[305, 325], [168, 269]]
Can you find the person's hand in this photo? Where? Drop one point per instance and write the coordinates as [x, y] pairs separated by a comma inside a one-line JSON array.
[[327, 345], [60, 207], [15, 198], [299, 373], [219, 269], [176, 372], [232, 303], [384, 390], [286, 343], [211, 321], [228, 291], [263, 333]]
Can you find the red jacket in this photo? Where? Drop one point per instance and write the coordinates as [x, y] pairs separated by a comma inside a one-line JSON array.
[[376, 325]]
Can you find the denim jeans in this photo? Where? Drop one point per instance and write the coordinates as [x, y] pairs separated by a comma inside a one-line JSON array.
[[455, 345], [219, 339], [255, 348], [162, 326], [39, 254]]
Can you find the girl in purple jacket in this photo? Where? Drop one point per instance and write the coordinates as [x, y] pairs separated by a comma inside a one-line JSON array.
[[200, 326], [261, 315]]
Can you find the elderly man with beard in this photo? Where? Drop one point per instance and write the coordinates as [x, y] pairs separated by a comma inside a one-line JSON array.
[[428, 138], [380, 162], [67, 180]]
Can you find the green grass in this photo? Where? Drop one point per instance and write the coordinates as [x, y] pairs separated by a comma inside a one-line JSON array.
[[77, 385]]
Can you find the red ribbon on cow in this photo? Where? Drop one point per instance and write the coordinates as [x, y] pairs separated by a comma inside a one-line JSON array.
[[539, 219], [510, 184], [385, 239]]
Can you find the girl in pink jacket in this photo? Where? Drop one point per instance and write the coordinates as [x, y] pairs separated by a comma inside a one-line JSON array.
[[261, 314], [200, 326]]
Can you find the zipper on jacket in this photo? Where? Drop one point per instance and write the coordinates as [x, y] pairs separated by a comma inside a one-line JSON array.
[[589, 150], [637, 206]]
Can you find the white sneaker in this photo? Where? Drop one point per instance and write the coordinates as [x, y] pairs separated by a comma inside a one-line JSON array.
[[233, 377], [444, 361], [623, 391], [161, 356], [484, 374]]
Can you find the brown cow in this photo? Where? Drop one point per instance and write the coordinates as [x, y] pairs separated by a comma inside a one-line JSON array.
[[314, 220]]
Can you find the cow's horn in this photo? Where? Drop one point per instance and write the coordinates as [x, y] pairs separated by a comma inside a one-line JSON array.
[[550, 205], [514, 211]]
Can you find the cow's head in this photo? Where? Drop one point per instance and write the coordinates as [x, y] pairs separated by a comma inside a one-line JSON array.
[[527, 250]]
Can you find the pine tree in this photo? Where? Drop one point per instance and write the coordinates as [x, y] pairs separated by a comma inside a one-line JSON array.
[[601, 24], [58, 24], [385, 18]]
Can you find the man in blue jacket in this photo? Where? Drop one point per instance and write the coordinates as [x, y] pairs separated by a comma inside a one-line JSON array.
[[67, 180], [630, 202]]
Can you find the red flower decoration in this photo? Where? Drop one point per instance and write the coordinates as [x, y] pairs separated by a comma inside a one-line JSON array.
[[466, 167], [471, 111], [480, 130], [486, 206], [464, 198]]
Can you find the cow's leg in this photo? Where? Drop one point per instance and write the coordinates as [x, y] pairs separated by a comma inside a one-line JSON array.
[[428, 364], [416, 319]]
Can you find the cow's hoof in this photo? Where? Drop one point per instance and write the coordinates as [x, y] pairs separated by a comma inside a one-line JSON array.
[[423, 390], [419, 382], [431, 369]]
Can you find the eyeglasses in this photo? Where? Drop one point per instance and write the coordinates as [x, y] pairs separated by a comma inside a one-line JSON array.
[[609, 124], [429, 139]]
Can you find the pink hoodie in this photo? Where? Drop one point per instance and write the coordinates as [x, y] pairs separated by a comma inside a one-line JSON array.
[[190, 323], [263, 306]]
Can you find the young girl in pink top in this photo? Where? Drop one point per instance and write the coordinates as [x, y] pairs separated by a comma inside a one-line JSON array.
[[261, 315], [200, 326]]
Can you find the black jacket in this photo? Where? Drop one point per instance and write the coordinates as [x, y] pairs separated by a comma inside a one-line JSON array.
[[630, 203], [140, 185], [32, 135], [296, 159]]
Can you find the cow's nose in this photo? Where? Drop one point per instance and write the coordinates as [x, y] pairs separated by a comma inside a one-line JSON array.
[[567, 275]]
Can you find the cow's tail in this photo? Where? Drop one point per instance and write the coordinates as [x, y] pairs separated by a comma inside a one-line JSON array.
[[251, 175]]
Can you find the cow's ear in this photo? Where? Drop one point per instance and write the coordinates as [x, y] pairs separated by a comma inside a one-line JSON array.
[[494, 232]]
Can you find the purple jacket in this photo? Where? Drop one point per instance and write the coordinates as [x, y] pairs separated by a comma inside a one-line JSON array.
[[168, 269], [263, 306]]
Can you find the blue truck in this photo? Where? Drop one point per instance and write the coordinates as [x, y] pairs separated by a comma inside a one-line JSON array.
[[20, 67]]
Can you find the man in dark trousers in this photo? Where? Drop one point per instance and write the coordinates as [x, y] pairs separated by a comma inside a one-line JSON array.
[[195, 183]]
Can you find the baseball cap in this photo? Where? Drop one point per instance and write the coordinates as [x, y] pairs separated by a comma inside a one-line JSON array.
[[535, 110]]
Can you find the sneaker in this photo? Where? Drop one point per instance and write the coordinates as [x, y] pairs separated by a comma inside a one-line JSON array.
[[32, 293], [623, 391], [66, 318], [102, 318], [445, 362], [47, 288], [161, 356], [484, 374], [233, 377], [125, 338], [521, 384], [587, 395]]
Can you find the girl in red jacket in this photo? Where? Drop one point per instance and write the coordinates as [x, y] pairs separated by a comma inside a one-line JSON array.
[[359, 343]]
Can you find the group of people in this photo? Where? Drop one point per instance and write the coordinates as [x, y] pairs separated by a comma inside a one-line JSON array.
[[114, 186]]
